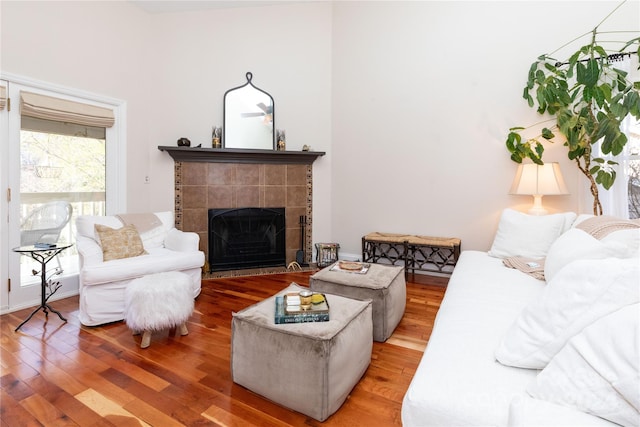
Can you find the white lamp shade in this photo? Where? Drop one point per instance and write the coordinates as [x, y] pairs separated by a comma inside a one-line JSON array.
[[543, 180]]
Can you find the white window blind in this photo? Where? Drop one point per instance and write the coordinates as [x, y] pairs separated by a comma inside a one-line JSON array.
[[62, 110]]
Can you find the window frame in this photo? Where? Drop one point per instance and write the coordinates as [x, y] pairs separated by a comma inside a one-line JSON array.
[[615, 201], [116, 171]]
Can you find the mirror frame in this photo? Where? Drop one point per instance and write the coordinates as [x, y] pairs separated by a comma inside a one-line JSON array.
[[249, 76]]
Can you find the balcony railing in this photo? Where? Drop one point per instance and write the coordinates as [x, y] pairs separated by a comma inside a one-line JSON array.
[[83, 203]]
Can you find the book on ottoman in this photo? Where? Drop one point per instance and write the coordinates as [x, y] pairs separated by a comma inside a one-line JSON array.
[[291, 313]]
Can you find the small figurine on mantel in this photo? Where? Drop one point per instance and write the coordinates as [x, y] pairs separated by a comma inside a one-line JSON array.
[[280, 138], [215, 137]]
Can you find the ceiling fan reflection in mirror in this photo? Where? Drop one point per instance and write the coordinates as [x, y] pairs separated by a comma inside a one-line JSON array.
[[266, 113]]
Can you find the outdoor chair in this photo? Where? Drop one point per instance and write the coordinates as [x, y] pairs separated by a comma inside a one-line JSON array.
[[45, 223]]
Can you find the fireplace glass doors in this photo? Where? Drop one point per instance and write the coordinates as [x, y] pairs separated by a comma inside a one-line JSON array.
[[246, 238]]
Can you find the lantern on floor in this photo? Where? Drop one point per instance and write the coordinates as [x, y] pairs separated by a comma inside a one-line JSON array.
[[326, 254]]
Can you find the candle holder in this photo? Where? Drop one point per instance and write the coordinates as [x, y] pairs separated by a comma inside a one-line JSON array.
[[216, 142]]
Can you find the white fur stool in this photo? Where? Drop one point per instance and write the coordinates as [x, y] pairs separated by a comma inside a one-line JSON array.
[[158, 301]]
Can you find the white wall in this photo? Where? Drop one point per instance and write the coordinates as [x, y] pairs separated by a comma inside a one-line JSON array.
[[173, 71], [203, 54], [423, 96], [410, 100], [97, 47]]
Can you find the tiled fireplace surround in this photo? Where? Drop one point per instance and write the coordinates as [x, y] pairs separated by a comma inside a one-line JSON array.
[[200, 186]]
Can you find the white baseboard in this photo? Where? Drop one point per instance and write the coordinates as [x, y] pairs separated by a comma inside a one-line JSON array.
[[349, 257], [36, 302]]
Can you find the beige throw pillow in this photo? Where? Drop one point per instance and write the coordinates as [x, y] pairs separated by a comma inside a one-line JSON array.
[[118, 243]]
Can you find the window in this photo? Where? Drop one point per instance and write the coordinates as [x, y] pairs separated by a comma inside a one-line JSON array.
[[631, 169], [50, 150], [60, 162], [623, 198]]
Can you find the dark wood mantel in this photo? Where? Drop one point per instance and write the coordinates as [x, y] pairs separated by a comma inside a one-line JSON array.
[[237, 155]]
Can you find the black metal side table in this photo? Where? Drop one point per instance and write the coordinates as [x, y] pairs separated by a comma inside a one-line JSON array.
[[43, 255]]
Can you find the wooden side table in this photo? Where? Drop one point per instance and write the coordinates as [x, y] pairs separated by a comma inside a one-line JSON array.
[[43, 255]]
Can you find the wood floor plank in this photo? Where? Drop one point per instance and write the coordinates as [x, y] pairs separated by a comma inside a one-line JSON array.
[[13, 414], [21, 370], [194, 396], [79, 357], [45, 412], [15, 388], [52, 372], [155, 399], [108, 409], [57, 373], [241, 414], [79, 413]]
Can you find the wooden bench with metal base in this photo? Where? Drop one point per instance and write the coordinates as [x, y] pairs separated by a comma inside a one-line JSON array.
[[421, 253]]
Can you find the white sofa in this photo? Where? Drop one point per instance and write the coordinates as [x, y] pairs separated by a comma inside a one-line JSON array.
[[491, 312], [102, 283]]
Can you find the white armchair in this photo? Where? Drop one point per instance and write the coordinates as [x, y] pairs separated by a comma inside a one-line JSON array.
[[102, 283]]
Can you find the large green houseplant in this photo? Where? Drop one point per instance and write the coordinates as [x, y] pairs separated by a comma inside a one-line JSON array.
[[586, 98]]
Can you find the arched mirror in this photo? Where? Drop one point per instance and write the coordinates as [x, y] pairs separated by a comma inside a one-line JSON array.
[[248, 118]]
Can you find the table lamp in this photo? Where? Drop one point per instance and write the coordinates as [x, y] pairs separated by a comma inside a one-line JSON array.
[[538, 181]]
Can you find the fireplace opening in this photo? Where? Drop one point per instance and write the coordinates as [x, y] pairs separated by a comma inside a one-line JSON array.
[[246, 238]]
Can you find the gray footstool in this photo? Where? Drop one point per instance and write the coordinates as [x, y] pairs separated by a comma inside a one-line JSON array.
[[384, 285], [308, 367]]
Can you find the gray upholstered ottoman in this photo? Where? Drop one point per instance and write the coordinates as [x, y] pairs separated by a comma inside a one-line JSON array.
[[308, 367], [382, 284]]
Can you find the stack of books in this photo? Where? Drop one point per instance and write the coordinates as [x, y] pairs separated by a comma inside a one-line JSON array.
[[288, 309], [44, 245]]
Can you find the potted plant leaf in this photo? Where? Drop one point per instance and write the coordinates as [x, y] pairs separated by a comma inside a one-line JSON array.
[[587, 98]]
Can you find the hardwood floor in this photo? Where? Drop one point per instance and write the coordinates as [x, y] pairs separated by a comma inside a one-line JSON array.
[[55, 373]]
